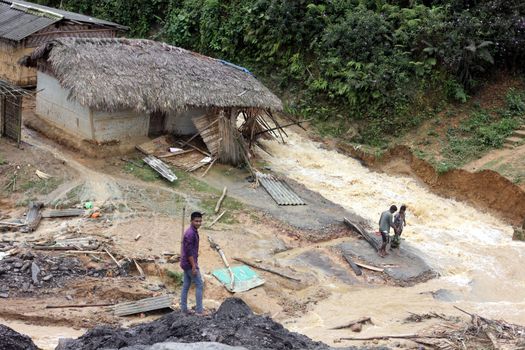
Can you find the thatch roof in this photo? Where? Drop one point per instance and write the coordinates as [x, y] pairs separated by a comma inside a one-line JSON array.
[[144, 75]]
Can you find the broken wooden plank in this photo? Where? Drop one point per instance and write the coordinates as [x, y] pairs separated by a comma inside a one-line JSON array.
[[267, 269], [173, 154], [350, 324], [42, 175], [219, 202], [33, 216], [367, 236], [155, 146], [370, 267], [160, 167], [354, 267], [62, 213], [77, 306], [12, 224], [144, 305]]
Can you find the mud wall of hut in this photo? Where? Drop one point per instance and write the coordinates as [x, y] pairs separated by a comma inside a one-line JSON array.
[[10, 70], [121, 125], [53, 105]]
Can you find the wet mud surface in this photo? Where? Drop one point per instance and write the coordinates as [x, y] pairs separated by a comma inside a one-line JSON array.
[[233, 324]]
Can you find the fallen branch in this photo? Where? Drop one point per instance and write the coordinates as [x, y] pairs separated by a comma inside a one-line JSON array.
[[348, 325], [219, 202], [216, 219], [284, 126], [267, 269], [74, 306]]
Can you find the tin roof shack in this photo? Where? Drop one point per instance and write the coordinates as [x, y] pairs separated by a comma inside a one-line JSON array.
[[107, 90], [24, 26]]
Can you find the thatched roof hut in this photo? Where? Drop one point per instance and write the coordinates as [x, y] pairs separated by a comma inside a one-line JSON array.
[[144, 75], [114, 89]]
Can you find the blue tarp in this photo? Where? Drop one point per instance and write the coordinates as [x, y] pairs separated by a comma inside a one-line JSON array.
[[244, 278]]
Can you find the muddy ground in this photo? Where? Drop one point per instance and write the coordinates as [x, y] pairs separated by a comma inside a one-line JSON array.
[[305, 242]]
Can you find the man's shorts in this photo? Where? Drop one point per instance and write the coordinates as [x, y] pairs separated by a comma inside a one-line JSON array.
[[384, 236]]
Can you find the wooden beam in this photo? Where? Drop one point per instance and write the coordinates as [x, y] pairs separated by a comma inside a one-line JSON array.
[[221, 199]]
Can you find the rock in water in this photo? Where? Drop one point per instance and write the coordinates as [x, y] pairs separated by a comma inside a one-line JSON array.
[[11, 340]]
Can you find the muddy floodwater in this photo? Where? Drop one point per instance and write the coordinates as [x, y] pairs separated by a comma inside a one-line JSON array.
[[480, 266]]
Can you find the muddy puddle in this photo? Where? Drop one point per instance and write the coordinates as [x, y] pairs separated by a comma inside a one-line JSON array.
[[473, 251]]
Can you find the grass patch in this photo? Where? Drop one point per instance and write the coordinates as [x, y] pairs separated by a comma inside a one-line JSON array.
[[2, 160], [40, 186], [483, 131], [145, 173]]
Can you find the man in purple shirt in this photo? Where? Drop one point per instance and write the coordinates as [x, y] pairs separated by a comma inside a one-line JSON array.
[[189, 263]]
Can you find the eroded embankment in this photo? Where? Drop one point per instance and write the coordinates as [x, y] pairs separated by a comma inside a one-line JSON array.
[[485, 189]]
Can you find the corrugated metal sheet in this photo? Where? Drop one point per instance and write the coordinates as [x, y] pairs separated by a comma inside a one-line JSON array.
[[144, 305], [71, 15], [160, 167], [16, 24], [279, 190]]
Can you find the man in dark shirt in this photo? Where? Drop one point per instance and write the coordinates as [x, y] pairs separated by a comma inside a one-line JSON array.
[[385, 222], [189, 263]]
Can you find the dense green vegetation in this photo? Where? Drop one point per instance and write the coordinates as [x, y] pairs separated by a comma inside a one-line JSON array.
[[385, 64]]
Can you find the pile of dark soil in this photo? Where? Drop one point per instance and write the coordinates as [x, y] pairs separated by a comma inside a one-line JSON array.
[[27, 272], [233, 324], [11, 340]]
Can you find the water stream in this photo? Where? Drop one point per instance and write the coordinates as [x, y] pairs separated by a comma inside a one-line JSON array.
[[473, 251]]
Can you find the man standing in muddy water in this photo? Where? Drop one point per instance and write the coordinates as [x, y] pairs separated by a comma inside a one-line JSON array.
[[189, 263], [386, 221]]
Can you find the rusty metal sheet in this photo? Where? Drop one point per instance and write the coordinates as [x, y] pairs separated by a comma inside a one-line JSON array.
[[279, 190]]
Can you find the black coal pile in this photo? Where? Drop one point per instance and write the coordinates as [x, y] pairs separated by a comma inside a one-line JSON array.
[[233, 324], [27, 272], [11, 340]]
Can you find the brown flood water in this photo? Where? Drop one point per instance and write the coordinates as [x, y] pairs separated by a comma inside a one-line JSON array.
[[480, 266]]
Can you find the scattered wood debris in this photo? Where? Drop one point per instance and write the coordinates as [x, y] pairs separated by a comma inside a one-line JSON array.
[[479, 333]]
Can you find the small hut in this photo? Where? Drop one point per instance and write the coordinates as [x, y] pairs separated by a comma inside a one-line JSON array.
[[116, 89], [24, 26]]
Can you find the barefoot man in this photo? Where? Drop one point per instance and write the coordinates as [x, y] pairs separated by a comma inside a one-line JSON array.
[[189, 263], [385, 223]]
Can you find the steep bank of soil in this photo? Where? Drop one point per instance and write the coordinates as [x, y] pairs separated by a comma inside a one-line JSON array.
[[485, 189]]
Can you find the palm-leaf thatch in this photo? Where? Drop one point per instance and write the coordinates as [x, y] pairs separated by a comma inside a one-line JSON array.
[[146, 76]]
